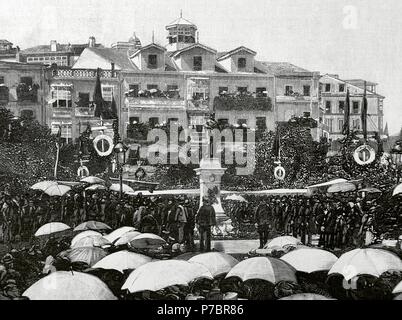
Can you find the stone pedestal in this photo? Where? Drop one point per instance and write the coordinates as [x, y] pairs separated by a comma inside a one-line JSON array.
[[210, 173]]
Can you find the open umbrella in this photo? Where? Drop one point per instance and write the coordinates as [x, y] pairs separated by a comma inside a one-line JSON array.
[[341, 187], [51, 228], [158, 275], [185, 256], [126, 238], [397, 190], [216, 262], [57, 190], [236, 197], [264, 268], [92, 225], [93, 180], [398, 288], [122, 260], [64, 285], [310, 260], [282, 241], [367, 261], [370, 190], [306, 296], [95, 187], [83, 235], [88, 255], [116, 187], [43, 185], [147, 240], [92, 241], [116, 234]]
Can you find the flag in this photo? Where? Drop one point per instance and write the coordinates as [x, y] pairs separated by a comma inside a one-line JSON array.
[[114, 108], [98, 99], [276, 144], [364, 113], [346, 128]]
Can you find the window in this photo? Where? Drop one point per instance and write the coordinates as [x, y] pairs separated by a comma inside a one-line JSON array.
[[66, 133], [197, 63], [27, 114], [27, 80], [133, 90], [306, 91], [241, 63], [107, 93], [61, 97], [261, 123], [356, 124], [327, 106], [153, 121], [341, 106], [1, 79], [355, 106], [261, 92], [172, 87], [223, 89], [152, 61], [327, 87], [340, 125], [133, 120], [328, 123], [341, 88], [242, 89], [288, 90], [152, 86]]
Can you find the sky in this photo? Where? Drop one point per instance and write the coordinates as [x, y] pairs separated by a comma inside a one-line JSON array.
[[352, 38]]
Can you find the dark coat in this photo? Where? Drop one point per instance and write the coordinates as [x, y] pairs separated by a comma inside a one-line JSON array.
[[206, 216]]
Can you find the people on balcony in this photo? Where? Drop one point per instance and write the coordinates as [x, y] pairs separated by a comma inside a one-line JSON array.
[[154, 94]]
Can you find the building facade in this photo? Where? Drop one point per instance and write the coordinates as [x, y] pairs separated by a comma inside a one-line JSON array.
[[23, 89], [333, 100]]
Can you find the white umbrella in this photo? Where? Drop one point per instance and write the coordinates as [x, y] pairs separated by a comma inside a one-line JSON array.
[[83, 235], [264, 268], [88, 255], [216, 262], [306, 296], [282, 242], [147, 240], [310, 259], [126, 238], [57, 190], [236, 197], [157, 275], [327, 184], [397, 190], [116, 187], [92, 241], [65, 285], [51, 228], [122, 260], [342, 187], [398, 288], [116, 234], [366, 261], [95, 187], [93, 180], [43, 185], [92, 225]]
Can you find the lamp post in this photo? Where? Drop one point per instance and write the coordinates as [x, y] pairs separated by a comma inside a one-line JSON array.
[[119, 149]]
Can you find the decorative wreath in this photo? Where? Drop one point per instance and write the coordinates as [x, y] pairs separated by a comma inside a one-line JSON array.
[[358, 150], [110, 142], [83, 171], [279, 172]]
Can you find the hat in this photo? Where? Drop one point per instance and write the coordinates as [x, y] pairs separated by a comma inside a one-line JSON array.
[[8, 258]]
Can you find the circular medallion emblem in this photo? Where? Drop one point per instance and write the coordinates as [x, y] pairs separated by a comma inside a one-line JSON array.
[[364, 155], [103, 145], [279, 172]]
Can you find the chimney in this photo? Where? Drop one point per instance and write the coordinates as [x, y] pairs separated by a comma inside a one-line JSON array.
[[53, 45], [92, 42]]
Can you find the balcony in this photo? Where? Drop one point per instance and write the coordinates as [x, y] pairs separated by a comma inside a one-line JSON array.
[[62, 112], [68, 73], [242, 102]]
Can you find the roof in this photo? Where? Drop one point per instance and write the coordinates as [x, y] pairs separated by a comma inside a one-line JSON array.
[[355, 81], [180, 21], [279, 68], [178, 52], [152, 45], [353, 84], [73, 48], [234, 51], [4, 41], [119, 57]]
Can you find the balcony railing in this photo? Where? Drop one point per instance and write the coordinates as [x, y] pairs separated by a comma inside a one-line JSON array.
[[242, 102], [81, 73]]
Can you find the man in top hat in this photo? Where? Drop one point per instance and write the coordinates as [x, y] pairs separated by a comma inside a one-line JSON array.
[[205, 218]]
